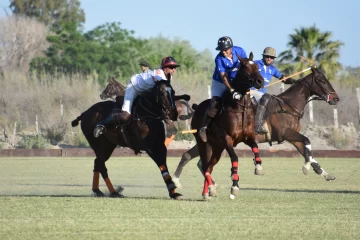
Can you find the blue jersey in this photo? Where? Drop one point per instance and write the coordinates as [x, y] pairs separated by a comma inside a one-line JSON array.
[[223, 64], [267, 72]]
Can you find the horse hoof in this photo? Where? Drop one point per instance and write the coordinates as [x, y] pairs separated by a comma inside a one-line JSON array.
[[177, 182], [327, 176], [116, 195], [235, 191], [305, 168], [212, 190], [119, 189], [98, 193], [176, 196], [206, 197], [259, 170]]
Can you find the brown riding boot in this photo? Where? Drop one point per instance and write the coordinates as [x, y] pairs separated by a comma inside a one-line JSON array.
[[120, 118]]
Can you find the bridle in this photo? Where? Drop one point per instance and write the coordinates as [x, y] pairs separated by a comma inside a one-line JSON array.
[[326, 96]]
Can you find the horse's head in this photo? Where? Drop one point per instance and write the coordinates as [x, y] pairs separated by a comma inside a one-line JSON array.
[[112, 90], [248, 75], [320, 86], [165, 99]]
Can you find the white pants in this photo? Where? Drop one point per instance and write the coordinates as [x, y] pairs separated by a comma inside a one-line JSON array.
[[217, 88], [130, 95], [257, 95]]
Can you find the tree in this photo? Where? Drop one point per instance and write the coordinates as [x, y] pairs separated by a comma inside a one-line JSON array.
[[50, 12], [310, 46], [21, 39]]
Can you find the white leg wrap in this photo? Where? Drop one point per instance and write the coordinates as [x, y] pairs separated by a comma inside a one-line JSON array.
[[308, 146]]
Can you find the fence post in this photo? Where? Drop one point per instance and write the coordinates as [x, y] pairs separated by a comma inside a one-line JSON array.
[[209, 91], [36, 124], [282, 87], [336, 123], [14, 132], [358, 98], [61, 110], [311, 112]]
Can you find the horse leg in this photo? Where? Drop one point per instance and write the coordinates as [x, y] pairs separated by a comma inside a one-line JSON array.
[[158, 153], [235, 189], [209, 158], [103, 153], [303, 145], [185, 159], [257, 160]]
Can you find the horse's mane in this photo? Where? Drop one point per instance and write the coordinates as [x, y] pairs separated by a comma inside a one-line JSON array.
[[118, 83]]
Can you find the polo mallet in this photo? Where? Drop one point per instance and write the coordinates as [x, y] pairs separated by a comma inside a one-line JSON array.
[[307, 69]]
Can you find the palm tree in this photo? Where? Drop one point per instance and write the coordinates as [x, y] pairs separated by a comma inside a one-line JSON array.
[[310, 46]]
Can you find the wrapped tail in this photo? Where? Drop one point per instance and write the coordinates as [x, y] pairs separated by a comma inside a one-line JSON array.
[[75, 122]]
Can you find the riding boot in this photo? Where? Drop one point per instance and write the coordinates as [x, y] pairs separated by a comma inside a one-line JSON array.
[[122, 118], [259, 120], [210, 114], [260, 114], [204, 125], [101, 126]]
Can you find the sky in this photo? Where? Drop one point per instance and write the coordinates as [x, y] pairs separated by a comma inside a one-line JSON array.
[[253, 25]]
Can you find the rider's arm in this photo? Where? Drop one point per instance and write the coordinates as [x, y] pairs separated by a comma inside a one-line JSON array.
[[225, 79], [221, 71]]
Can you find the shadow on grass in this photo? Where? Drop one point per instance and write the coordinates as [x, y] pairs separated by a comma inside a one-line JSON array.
[[301, 190], [92, 196]]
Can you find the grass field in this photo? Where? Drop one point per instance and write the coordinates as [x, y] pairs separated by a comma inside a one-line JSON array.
[[51, 199]]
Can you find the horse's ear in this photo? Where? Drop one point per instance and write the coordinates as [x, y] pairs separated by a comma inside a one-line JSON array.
[[112, 79], [251, 56], [314, 69]]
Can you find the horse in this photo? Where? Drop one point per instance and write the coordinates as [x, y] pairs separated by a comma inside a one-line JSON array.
[[233, 124], [283, 121], [145, 132], [116, 91]]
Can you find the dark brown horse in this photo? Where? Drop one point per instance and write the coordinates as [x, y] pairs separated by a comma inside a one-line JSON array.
[[145, 132], [116, 91], [283, 120], [234, 124]]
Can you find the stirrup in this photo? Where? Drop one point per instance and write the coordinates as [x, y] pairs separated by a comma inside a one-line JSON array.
[[99, 129], [202, 134]]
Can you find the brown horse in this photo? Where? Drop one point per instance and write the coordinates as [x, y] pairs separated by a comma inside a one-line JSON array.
[[145, 132], [283, 120], [234, 124], [116, 91]]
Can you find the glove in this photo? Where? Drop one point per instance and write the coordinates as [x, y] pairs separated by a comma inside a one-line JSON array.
[[289, 81], [235, 95], [185, 97]]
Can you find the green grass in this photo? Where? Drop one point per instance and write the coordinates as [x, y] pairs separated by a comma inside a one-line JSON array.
[[50, 198]]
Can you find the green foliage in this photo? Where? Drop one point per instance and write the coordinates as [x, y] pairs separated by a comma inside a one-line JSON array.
[[51, 12], [33, 142], [56, 132], [339, 139], [310, 46], [76, 139]]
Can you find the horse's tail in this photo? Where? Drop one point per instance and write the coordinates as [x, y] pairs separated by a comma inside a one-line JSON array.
[[194, 106], [75, 122]]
